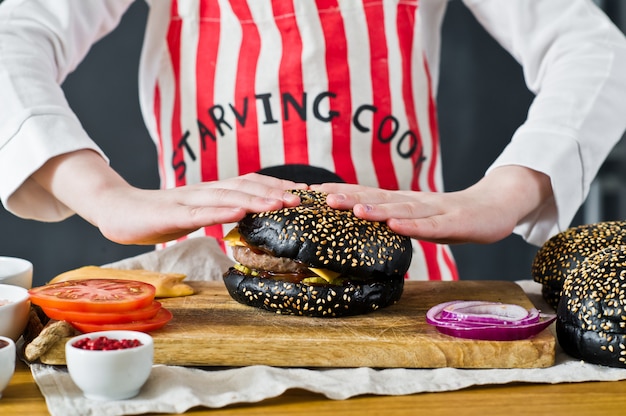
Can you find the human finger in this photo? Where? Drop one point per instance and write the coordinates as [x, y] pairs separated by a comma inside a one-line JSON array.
[[274, 182], [246, 191], [347, 196], [337, 187], [262, 186]]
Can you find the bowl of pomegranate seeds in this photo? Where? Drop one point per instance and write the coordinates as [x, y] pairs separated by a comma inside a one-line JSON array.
[[110, 365]]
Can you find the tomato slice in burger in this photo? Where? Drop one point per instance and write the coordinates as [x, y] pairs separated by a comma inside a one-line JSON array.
[[141, 314], [161, 318], [94, 295]]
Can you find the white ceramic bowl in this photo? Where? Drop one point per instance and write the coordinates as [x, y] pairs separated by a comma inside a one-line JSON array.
[[7, 361], [14, 311], [16, 271], [113, 374]]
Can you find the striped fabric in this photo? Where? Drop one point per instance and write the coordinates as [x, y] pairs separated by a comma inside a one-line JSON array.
[[338, 84]]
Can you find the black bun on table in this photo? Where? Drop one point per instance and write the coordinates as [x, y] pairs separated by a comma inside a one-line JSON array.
[[371, 259], [562, 254], [591, 314]]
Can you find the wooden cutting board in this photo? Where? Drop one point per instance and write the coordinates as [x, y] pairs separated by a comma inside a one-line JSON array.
[[211, 329]]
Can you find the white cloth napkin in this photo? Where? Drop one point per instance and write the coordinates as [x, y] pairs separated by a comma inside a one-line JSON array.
[[172, 389], [199, 258]]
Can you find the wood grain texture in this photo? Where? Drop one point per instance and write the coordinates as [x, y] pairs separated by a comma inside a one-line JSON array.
[[211, 329]]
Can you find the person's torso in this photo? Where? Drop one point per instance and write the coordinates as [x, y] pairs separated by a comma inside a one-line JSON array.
[[344, 85]]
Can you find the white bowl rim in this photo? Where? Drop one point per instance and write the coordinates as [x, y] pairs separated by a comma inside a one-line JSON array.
[[6, 339], [21, 265], [12, 293]]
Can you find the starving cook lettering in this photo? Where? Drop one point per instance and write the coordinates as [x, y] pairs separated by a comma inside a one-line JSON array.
[[221, 119]]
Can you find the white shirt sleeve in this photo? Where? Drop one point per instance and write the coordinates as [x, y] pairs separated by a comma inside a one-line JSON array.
[[574, 60], [41, 42]]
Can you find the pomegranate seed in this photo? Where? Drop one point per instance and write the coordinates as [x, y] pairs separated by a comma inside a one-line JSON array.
[[106, 344]]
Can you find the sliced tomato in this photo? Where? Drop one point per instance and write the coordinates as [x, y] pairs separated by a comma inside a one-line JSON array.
[[94, 295], [161, 318], [104, 317]]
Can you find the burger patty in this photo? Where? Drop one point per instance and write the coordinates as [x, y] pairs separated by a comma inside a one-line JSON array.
[[262, 261]]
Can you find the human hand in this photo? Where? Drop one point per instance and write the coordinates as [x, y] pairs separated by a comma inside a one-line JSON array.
[[84, 182], [483, 213], [135, 216]]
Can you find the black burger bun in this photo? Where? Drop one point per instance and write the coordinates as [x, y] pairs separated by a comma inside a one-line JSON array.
[[591, 314], [324, 301], [357, 266], [564, 253], [302, 174], [319, 236]]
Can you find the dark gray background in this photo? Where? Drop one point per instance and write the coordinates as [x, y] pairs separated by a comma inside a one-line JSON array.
[[482, 99]]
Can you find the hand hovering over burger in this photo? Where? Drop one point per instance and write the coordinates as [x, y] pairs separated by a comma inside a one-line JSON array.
[[486, 212], [129, 215]]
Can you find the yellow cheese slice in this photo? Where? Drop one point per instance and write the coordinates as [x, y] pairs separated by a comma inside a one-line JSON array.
[[325, 274], [233, 238], [166, 284]]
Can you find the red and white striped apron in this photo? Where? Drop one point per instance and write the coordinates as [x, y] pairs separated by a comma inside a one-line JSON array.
[[338, 84]]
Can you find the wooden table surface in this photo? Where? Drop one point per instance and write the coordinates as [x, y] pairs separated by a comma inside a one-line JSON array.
[[22, 397], [220, 332]]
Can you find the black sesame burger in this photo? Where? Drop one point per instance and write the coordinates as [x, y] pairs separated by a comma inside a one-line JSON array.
[[313, 260], [591, 315], [562, 254]]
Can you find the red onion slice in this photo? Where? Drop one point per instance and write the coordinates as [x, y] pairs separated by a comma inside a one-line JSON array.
[[489, 313], [491, 321]]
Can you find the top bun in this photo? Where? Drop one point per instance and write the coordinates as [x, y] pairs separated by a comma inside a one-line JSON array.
[[564, 253], [322, 237]]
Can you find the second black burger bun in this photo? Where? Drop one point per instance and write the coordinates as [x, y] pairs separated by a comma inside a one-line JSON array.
[[322, 237], [561, 255], [591, 315]]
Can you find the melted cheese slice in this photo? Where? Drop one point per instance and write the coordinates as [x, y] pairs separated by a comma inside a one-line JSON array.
[[233, 238], [325, 274], [166, 284]]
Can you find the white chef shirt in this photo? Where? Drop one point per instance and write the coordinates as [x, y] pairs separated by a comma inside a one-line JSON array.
[[574, 59]]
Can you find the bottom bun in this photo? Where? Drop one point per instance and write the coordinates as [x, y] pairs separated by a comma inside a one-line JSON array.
[[591, 315], [330, 301], [591, 346]]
